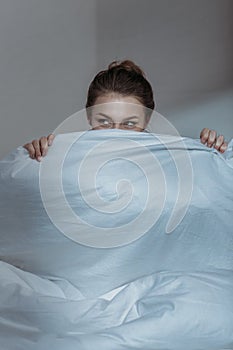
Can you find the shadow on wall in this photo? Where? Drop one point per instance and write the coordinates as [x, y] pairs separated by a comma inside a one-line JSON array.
[[213, 110]]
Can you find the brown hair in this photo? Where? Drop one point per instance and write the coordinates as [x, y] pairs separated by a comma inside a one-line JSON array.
[[124, 78]]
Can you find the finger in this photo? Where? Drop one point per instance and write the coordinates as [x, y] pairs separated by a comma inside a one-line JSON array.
[[43, 145], [212, 138], [36, 145], [204, 135], [219, 142], [50, 139], [223, 148], [31, 150]]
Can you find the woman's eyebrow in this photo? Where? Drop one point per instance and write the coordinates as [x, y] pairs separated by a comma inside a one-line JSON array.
[[106, 116], [131, 117]]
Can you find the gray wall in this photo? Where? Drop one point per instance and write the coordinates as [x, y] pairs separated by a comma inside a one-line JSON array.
[[50, 50], [48, 57], [186, 49]]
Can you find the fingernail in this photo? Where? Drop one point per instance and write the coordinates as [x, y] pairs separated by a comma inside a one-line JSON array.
[[39, 159]]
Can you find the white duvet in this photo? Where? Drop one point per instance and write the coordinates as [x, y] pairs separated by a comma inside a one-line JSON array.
[[85, 279]]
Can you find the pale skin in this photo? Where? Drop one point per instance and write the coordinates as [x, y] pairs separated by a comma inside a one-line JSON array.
[[127, 114]]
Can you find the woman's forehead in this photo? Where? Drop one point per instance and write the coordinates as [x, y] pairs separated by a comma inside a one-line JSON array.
[[118, 109], [114, 97]]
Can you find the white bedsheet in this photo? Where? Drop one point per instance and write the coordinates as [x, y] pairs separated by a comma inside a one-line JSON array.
[[158, 292]]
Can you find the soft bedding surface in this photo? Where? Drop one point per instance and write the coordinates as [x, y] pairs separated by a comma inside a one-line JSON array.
[[117, 240]]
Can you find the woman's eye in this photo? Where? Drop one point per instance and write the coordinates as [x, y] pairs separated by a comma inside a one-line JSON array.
[[129, 124], [104, 122]]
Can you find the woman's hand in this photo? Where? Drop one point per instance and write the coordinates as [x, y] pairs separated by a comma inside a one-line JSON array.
[[210, 139], [39, 148]]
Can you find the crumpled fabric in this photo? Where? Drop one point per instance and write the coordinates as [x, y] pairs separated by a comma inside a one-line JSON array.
[[169, 288]]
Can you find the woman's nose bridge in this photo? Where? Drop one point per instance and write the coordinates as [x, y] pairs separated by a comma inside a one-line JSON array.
[[116, 125]]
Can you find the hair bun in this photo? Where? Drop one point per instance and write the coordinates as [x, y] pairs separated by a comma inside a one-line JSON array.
[[128, 65]]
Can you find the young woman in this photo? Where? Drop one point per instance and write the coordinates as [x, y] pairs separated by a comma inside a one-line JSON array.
[[123, 83]]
